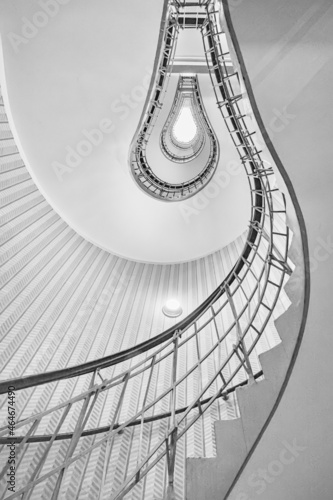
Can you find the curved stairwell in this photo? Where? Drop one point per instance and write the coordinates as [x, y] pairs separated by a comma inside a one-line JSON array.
[[150, 405], [226, 409], [236, 440], [212, 478]]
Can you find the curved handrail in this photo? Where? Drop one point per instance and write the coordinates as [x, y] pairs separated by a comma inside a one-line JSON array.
[[90, 366], [143, 175], [100, 430], [260, 265]]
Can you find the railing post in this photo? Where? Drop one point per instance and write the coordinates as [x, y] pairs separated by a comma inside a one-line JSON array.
[[110, 438], [241, 343], [143, 414], [171, 439], [80, 424]]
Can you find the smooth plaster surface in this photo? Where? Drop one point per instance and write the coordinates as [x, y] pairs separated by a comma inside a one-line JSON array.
[[67, 78]]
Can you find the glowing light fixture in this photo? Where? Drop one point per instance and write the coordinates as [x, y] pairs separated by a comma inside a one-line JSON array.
[[172, 308], [185, 128]]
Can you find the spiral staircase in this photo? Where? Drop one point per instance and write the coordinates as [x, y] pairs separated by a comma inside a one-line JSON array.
[[167, 414]]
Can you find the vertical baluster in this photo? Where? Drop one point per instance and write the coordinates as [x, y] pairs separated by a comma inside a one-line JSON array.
[[171, 440], [112, 433], [198, 355], [18, 449], [143, 414], [27, 494], [246, 362], [80, 424], [219, 347]]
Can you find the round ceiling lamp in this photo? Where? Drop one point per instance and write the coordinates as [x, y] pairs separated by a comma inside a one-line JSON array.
[[172, 308]]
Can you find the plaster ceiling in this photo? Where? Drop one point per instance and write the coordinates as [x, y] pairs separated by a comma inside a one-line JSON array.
[[75, 87]]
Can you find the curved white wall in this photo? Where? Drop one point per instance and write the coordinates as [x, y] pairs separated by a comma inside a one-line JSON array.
[[64, 301], [88, 66]]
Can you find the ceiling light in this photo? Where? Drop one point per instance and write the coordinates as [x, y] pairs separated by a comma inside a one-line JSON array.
[[172, 308], [185, 127]]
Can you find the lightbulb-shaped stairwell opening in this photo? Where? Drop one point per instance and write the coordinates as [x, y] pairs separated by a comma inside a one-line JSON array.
[[187, 116]]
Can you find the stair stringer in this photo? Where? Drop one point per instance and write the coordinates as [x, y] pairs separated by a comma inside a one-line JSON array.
[[214, 478]]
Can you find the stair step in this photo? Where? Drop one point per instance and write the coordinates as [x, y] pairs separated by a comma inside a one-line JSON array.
[[210, 478], [204, 479], [274, 364], [260, 395], [286, 326], [229, 435]]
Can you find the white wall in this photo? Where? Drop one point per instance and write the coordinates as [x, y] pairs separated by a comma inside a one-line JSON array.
[[64, 301], [68, 77]]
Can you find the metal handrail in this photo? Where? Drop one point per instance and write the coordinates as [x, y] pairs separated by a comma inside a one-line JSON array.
[[141, 170], [249, 294], [101, 363], [100, 430]]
